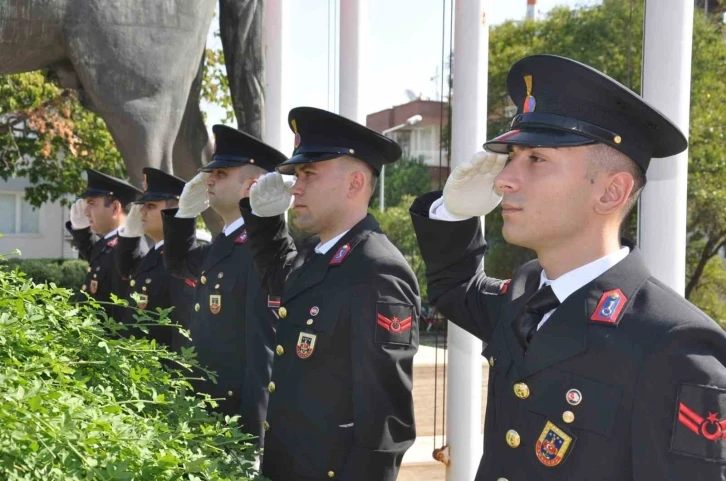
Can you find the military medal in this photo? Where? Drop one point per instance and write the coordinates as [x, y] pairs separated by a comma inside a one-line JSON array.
[[305, 345], [552, 445], [215, 303], [143, 301], [94, 286]]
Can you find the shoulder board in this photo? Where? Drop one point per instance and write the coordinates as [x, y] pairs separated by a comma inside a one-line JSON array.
[[112, 242], [242, 237]]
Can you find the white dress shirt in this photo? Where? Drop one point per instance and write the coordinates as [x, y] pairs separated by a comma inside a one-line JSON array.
[[324, 248], [159, 244], [564, 285], [228, 229], [111, 234], [568, 283]]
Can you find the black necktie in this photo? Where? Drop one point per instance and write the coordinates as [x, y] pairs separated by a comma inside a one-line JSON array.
[[541, 302]]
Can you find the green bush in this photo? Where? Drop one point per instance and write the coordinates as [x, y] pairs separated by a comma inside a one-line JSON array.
[[80, 403], [68, 273]]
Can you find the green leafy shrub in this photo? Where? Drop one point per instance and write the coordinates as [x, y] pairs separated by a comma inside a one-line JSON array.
[[77, 402], [68, 273]]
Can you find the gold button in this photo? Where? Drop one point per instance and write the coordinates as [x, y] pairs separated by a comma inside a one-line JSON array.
[[618, 139], [513, 439], [95, 276], [220, 275], [283, 312], [132, 283], [309, 322], [196, 307], [491, 361], [266, 426], [89, 269], [502, 479], [230, 393], [271, 386], [83, 287], [148, 281], [203, 279], [331, 474], [521, 390], [143, 288], [217, 287], [280, 350], [568, 416]]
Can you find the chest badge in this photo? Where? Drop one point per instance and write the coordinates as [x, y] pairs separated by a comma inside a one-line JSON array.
[[305, 345], [552, 445], [610, 307], [215, 303], [94, 286], [113, 242], [574, 397], [143, 301]]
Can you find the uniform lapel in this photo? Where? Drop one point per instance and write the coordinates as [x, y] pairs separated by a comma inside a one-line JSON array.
[[314, 274], [522, 289], [222, 247], [149, 261], [99, 248], [564, 335]]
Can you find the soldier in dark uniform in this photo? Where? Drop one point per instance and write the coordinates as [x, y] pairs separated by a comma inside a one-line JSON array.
[[340, 396], [233, 321], [598, 370], [144, 268], [95, 220]]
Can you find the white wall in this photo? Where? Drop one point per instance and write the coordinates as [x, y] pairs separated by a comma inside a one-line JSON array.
[[51, 240]]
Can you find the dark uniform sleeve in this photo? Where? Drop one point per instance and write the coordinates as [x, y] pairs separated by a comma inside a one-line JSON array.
[[273, 249], [83, 240], [454, 254], [679, 414], [183, 258], [382, 361], [127, 255]]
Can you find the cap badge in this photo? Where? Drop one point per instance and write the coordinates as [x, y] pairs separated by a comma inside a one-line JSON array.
[[529, 103], [298, 139], [145, 184]]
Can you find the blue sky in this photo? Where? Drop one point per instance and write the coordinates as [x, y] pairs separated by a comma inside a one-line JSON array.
[[404, 49]]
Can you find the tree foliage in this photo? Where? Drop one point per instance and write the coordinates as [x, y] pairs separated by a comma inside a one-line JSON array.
[[408, 176], [80, 403]]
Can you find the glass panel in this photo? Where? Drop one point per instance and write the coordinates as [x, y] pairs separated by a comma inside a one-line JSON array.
[[29, 219], [7, 213]]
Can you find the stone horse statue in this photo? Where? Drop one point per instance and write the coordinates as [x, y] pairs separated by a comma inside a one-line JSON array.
[[139, 64]]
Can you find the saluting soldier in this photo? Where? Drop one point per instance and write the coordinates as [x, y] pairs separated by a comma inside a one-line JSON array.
[[598, 370], [95, 219], [148, 278], [233, 321], [340, 396]]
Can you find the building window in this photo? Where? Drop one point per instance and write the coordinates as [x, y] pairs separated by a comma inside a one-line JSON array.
[[17, 216]]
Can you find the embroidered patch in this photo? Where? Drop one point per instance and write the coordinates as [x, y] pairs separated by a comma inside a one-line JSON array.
[[700, 422], [305, 345], [113, 242], [94, 286], [394, 323], [340, 255], [215, 303], [610, 307], [552, 445], [143, 301], [505, 287], [242, 237]]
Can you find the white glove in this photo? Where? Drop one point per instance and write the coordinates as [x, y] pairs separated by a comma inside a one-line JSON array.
[[469, 190], [194, 198], [134, 226], [78, 217], [271, 195]]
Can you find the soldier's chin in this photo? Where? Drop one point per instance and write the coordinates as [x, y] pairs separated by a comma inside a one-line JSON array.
[[516, 236]]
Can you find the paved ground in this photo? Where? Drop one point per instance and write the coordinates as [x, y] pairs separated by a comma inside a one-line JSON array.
[[418, 465]]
